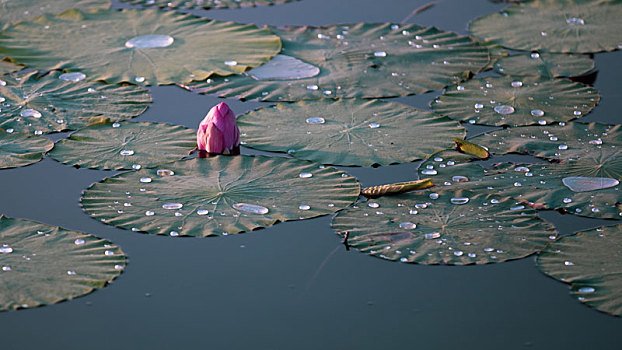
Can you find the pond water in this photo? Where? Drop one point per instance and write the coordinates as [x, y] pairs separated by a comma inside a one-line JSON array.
[[293, 285]]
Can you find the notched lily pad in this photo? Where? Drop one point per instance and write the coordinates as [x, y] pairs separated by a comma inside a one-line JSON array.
[[554, 26], [63, 101], [444, 227], [42, 265], [128, 145], [219, 195], [348, 131], [590, 262], [359, 60], [21, 10], [545, 65], [205, 4], [148, 47], [19, 149], [510, 101]]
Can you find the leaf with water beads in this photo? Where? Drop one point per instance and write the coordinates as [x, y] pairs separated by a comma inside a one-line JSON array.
[[219, 195], [545, 65], [148, 47], [23, 10], [590, 261], [42, 265], [444, 227], [359, 60], [396, 188], [516, 101], [554, 26], [348, 131], [205, 4], [19, 149], [64, 101], [128, 145]]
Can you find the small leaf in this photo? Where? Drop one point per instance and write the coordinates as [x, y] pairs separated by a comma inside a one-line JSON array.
[[396, 188], [471, 148]]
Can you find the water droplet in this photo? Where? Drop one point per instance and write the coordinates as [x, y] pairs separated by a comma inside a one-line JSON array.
[[567, 200], [6, 249], [537, 112], [283, 67], [595, 210], [165, 172], [202, 212], [38, 132], [315, 120], [585, 184], [145, 179], [413, 212], [29, 112], [562, 147], [574, 20], [174, 233], [478, 106], [403, 260], [118, 267], [10, 130], [432, 235], [79, 241], [304, 207], [577, 113], [421, 206], [380, 54], [459, 200], [6, 268], [374, 125], [408, 225], [305, 175], [149, 41], [494, 201], [503, 109], [517, 83], [459, 178], [517, 184], [458, 253], [596, 142], [139, 79], [172, 206], [126, 152], [250, 208], [460, 88], [568, 263], [586, 290], [116, 125], [71, 272], [73, 77], [535, 55], [429, 172], [518, 207], [136, 166], [521, 169], [373, 205], [108, 252], [433, 195], [542, 122]]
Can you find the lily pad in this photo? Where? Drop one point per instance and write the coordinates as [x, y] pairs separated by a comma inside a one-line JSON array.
[[590, 261], [42, 265], [359, 60], [545, 65], [554, 26], [149, 47], [205, 4], [127, 145], [61, 101], [219, 195], [21, 10], [348, 131], [19, 149], [516, 101], [444, 227]]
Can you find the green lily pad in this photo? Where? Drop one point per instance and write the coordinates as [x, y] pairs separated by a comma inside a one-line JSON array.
[[149, 47], [348, 131], [219, 195], [42, 265], [19, 149], [554, 26], [590, 261], [444, 227], [495, 53], [205, 4], [57, 102], [115, 146], [516, 101], [545, 65], [358, 60], [21, 10], [7, 66]]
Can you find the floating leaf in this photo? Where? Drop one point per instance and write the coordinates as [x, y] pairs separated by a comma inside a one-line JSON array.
[[545, 65], [58, 102], [205, 4], [471, 148], [554, 26], [219, 195], [495, 53], [361, 60], [348, 131], [150, 47], [21, 10], [444, 227], [19, 149], [511, 101], [590, 261], [396, 188], [125, 145], [41, 264]]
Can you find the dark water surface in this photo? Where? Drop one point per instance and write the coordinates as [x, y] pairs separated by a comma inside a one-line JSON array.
[[293, 286]]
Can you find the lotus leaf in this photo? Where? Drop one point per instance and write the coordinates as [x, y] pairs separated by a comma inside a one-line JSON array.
[[19, 149], [15, 11], [545, 65]]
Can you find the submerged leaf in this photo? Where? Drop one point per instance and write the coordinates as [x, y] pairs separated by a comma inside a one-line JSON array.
[[42, 265], [219, 195], [396, 188], [205, 4], [19, 149], [590, 261], [149, 47], [359, 60], [470, 148]]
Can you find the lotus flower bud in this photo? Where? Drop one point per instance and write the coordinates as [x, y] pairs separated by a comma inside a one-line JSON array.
[[218, 132]]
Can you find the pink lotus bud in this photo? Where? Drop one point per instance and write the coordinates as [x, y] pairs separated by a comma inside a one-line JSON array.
[[218, 132]]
